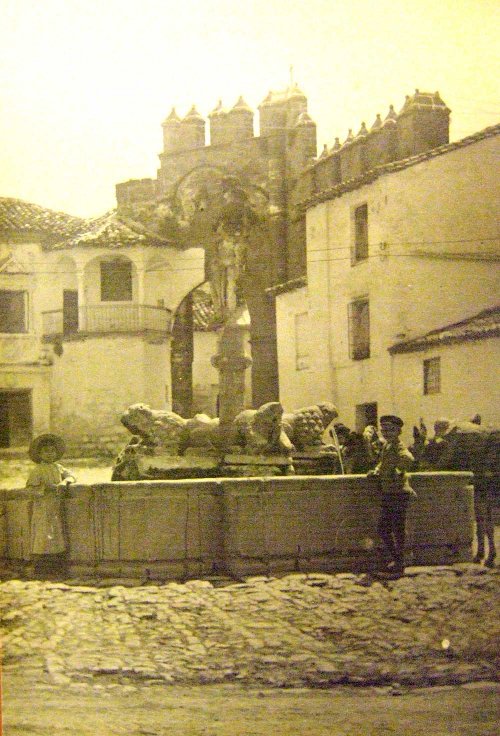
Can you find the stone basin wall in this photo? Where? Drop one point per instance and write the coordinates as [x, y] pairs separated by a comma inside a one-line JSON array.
[[193, 528]]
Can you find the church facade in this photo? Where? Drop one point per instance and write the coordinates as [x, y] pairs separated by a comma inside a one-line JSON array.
[[267, 167]]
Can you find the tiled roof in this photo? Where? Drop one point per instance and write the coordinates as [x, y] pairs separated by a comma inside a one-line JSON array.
[[481, 326], [204, 316], [405, 163], [112, 231], [19, 217], [59, 230], [291, 285]]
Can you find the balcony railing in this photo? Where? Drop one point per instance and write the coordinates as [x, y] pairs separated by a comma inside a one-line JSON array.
[[103, 318]]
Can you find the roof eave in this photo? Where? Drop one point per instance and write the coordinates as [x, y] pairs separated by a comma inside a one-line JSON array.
[[422, 345]]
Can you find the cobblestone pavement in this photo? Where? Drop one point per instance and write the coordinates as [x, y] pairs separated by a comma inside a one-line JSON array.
[[434, 626]]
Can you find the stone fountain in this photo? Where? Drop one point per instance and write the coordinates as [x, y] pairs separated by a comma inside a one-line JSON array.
[[220, 213], [258, 442]]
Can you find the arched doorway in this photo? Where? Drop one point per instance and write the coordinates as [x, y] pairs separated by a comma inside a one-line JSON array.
[[195, 381]]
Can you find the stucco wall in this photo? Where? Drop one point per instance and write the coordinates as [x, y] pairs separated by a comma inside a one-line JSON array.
[[295, 381], [96, 379], [443, 206], [19, 275]]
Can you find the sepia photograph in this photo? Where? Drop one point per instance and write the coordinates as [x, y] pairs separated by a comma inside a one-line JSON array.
[[249, 368]]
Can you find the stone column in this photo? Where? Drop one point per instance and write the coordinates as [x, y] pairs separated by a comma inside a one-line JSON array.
[[231, 362], [181, 360]]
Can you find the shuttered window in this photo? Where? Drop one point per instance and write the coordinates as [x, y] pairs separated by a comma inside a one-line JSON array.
[[13, 311], [359, 329], [432, 376], [360, 248]]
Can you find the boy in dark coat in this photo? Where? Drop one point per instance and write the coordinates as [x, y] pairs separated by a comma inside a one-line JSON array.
[[395, 460]]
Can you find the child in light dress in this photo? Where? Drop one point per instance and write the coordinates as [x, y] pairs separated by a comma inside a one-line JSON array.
[[46, 483]]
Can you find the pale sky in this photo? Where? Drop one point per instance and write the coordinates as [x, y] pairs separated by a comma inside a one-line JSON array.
[[86, 84]]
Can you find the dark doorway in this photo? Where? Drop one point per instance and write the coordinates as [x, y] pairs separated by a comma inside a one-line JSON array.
[[366, 414], [15, 418], [70, 311]]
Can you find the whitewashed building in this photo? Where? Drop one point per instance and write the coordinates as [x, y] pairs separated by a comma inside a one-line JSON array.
[[458, 360], [402, 249], [86, 312]]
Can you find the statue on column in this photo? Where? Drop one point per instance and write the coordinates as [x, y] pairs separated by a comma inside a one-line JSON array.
[[226, 215], [226, 259]]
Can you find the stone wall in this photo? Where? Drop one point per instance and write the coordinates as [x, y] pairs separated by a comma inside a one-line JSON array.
[[180, 529]]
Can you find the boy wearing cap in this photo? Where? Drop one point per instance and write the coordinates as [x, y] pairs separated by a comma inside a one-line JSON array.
[[395, 460], [46, 482]]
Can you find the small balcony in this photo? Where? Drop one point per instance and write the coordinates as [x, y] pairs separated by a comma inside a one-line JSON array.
[[106, 319]]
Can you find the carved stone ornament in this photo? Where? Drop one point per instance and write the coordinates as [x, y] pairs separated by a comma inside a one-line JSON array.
[[259, 433]]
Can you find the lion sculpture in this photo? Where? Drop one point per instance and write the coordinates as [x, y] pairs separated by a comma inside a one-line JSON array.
[[305, 427], [260, 431], [254, 431], [264, 431], [164, 430]]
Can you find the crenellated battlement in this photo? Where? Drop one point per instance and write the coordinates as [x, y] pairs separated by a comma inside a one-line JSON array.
[[279, 114], [284, 146], [421, 125]]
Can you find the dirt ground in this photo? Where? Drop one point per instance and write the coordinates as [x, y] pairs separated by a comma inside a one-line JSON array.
[[14, 470], [225, 710]]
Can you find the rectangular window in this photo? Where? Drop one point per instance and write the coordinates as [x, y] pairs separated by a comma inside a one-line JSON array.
[[70, 311], [116, 281], [13, 311], [432, 376], [360, 250], [302, 341], [359, 329]]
